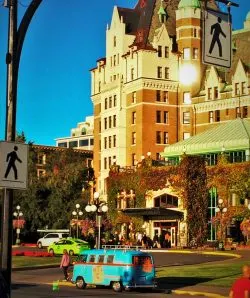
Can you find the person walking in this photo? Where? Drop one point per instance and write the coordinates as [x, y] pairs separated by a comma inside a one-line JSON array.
[[241, 287], [65, 262]]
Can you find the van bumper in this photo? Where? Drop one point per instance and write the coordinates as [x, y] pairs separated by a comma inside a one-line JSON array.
[[134, 286]]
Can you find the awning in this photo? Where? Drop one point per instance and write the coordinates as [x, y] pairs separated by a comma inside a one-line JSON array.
[[154, 213]]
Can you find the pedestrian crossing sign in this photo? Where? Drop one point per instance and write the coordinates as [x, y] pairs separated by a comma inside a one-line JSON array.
[[13, 165], [217, 38]]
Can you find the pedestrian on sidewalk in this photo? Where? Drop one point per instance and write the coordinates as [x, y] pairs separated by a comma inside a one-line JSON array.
[[65, 262], [241, 287]]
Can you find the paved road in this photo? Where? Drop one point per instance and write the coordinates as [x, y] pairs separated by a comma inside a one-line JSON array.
[[38, 283]]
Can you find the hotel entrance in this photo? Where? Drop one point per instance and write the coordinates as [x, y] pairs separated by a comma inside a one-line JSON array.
[[167, 233]]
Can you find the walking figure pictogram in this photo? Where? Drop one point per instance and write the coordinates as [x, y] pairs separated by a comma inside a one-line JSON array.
[[11, 158], [216, 31]]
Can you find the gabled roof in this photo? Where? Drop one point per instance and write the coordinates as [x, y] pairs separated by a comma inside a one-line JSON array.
[[232, 135]]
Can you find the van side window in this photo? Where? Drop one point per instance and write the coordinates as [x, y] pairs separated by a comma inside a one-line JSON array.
[[83, 258], [92, 258], [101, 259], [142, 260], [110, 259]]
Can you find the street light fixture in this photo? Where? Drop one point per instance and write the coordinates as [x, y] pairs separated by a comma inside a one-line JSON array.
[[222, 210], [77, 213], [99, 208], [18, 213]]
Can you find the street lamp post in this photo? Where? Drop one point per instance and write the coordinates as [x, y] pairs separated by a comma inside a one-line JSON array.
[[18, 213], [77, 213], [99, 208], [222, 209]]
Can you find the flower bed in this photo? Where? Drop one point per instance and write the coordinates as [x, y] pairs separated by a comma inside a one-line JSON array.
[[31, 254]]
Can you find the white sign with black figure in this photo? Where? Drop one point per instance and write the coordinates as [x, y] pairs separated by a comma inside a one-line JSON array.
[[13, 165], [217, 36]]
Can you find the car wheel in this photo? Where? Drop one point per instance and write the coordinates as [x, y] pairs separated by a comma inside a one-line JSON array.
[[39, 245], [71, 252], [80, 283], [51, 251], [117, 286]]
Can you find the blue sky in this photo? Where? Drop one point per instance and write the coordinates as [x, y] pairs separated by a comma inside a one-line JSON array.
[[63, 42]]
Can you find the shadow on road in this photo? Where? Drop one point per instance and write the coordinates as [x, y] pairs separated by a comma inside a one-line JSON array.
[[16, 286], [173, 283]]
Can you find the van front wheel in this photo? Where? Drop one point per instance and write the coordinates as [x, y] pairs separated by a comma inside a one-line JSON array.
[[80, 283], [117, 286]]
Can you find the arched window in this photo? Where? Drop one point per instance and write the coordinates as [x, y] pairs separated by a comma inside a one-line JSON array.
[[166, 201]]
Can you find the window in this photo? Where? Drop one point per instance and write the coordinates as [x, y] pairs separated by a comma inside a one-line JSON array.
[[83, 142], [165, 136], [227, 112], [114, 120], [133, 159], [158, 156], [158, 137], [211, 116], [132, 74], [158, 95], [100, 145], [41, 159], [99, 87], [114, 60], [244, 112], [186, 117], [73, 144], [195, 53], [186, 53], [110, 121], [110, 259], [114, 41], [165, 117], [114, 140], [91, 141], [110, 142], [101, 259], [186, 135], [105, 143], [167, 73], [110, 162], [165, 96], [41, 173], [63, 144], [209, 93], [110, 61], [195, 32], [105, 123], [159, 72], [106, 104], [133, 117], [158, 116], [110, 102], [187, 98], [237, 110], [166, 52], [243, 88], [216, 92], [114, 100], [133, 138], [237, 89], [159, 51], [117, 58], [105, 163], [217, 115], [134, 97]]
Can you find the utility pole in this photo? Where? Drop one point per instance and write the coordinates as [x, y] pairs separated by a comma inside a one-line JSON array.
[[15, 43]]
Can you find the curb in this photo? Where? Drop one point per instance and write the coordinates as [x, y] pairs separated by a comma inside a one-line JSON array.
[[193, 293]]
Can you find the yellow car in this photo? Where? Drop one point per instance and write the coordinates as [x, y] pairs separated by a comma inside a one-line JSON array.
[[73, 246]]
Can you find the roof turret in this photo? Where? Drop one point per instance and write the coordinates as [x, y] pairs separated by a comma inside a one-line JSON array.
[[189, 3]]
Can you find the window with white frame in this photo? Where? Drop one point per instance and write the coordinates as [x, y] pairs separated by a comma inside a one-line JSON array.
[[186, 135], [195, 53], [132, 74], [165, 137], [211, 117], [159, 51], [186, 97], [133, 138], [165, 117], [186, 53], [133, 118], [166, 52], [167, 73], [159, 72], [186, 117], [134, 97]]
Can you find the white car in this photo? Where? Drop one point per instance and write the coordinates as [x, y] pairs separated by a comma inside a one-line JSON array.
[[50, 238]]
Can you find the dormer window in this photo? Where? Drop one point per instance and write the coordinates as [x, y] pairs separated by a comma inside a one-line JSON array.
[[216, 92], [114, 41], [237, 89], [159, 51], [209, 93], [243, 88]]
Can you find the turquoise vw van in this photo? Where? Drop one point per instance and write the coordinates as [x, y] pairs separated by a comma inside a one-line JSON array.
[[118, 268]]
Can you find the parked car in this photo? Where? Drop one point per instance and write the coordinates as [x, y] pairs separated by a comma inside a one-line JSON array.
[[73, 246], [50, 238]]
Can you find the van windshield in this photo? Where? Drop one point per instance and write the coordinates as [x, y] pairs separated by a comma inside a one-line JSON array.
[[142, 260]]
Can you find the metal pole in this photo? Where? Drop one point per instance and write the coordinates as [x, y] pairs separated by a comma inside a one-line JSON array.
[[99, 231], [77, 226], [10, 131]]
